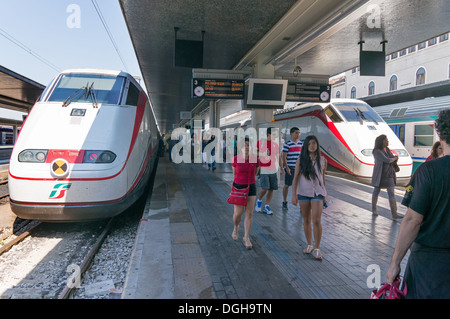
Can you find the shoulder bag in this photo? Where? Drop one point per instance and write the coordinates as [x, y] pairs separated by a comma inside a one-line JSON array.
[[394, 164], [240, 196]]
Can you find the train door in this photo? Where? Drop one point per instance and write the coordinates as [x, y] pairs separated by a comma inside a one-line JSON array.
[[399, 130]]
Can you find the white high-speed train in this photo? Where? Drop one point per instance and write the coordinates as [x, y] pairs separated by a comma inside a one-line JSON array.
[[346, 130], [86, 150]]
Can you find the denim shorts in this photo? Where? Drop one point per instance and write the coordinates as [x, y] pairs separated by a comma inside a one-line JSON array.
[[289, 178], [317, 198]]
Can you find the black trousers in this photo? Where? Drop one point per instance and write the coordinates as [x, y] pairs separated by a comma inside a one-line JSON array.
[[427, 273]]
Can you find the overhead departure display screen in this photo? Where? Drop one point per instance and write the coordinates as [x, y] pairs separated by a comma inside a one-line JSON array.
[[267, 91], [305, 92], [218, 89]]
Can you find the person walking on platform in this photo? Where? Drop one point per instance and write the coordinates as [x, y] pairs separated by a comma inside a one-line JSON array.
[[383, 175], [245, 167], [308, 189], [269, 156], [426, 226], [210, 157], [291, 152]]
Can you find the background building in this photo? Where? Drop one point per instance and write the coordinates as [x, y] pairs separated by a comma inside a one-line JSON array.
[[423, 63]]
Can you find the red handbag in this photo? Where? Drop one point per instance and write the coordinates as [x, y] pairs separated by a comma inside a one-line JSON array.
[[240, 196]]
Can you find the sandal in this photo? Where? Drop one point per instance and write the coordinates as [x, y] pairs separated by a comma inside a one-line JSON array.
[[234, 235], [308, 249], [247, 244], [317, 254]]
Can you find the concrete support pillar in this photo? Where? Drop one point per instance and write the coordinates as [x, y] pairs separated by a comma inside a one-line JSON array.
[[214, 114], [14, 134]]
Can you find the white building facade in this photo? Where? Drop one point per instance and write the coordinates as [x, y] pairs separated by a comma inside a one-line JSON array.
[[423, 63]]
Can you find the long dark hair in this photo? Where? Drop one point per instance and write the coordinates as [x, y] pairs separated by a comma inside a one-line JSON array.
[[306, 164], [434, 153], [379, 142]]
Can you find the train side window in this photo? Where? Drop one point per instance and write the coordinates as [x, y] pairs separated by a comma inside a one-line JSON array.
[[401, 133], [332, 114], [423, 135], [133, 95]]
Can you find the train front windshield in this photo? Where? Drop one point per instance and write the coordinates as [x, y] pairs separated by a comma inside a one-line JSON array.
[[357, 112], [86, 87]]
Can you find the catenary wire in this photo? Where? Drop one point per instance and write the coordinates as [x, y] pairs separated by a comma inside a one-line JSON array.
[[10, 38], [105, 25]]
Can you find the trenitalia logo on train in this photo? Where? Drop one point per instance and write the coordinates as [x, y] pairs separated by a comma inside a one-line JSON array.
[[59, 190]]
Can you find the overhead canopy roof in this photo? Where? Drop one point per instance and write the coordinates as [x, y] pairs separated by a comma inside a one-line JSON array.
[[320, 35], [18, 92]]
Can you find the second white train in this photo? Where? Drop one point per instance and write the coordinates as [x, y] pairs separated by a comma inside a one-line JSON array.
[[346, 130]]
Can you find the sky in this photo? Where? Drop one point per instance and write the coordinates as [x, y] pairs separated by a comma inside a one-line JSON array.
[[40, 38]]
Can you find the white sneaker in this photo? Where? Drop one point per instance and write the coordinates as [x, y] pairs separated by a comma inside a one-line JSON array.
[[258, 205], [267, 210]]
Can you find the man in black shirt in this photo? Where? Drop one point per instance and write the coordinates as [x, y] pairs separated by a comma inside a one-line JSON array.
[[426, 225]]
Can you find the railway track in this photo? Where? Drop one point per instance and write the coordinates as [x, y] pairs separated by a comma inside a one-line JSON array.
[[40, 260], [4, 190], [36, 263], [62, 260], [7, 241], [31, 227], [69, 288]]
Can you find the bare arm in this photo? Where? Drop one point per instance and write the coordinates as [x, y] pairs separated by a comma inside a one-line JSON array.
[[323, 177], [283, 159], [324, 170], [281, 163], [295, 182], [409, 229]]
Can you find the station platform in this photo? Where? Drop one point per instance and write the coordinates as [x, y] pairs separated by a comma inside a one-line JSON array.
[[184, 249]]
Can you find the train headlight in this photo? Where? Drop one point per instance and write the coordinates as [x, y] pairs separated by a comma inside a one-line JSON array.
[[401, 153], [99, 157], [40, 156], [33, 156], [367, 152]]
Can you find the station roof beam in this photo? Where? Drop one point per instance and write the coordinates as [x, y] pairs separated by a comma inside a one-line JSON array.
[[321, 36], [18, 92]]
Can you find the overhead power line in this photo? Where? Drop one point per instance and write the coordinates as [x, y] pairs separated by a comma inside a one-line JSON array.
[[27, 49], [105, 25]]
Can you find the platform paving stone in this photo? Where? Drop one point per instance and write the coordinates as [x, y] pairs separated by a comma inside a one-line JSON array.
[[206, 262]]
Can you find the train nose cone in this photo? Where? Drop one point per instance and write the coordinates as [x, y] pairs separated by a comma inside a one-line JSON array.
[[59, 168]]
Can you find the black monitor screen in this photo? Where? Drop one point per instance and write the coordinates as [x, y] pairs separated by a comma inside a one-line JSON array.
[[372, 63], [188, 54], [267, 91]]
